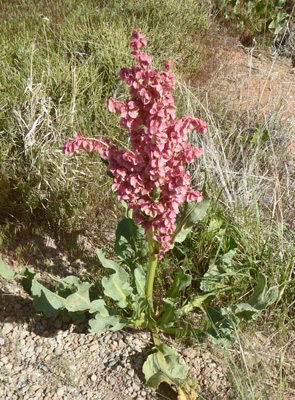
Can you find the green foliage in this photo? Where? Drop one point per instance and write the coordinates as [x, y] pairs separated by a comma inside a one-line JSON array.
[[256, 15], [6, 272], [261, 298], [105, 318], [130, 241], [117, 286], [224, 320], [218, 271], [163, 366], [189, 215]]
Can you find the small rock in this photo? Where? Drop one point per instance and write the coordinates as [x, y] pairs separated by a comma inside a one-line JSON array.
[[60, 392], [93, 378], [131, 373], [94, 347], [9, 366], [135, 387], [72, 367], [7, 328], [23, 378], [107, 338], [58, 350], [2, 341], [112, 363]]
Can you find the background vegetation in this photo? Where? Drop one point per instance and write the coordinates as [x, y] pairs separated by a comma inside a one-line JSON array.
[[59, 64]]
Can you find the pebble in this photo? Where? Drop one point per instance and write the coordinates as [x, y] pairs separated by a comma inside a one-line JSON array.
[[72, 364], [107, 337], [7, 328], [112, 363], [135, 387], [131, 373], [23, 378]]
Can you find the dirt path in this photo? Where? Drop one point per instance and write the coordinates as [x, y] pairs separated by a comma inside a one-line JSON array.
[[257, 84]]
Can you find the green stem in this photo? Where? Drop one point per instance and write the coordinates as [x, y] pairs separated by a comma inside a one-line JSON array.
[[153, 261], [156, 338]]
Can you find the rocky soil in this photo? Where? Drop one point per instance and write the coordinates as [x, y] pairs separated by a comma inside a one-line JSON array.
[[42, 358]]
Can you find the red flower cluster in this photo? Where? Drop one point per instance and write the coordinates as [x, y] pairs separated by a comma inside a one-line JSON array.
[[151, 178]]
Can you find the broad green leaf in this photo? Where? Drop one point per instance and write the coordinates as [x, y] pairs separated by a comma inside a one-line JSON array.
[[163, 366], [75, 292], [116, 286], [189, 215], [222, 326], [6, 272], [79, 301], [45, 300], [130, 240], [105, 318], [78, 317], [260, 299], [181, 281]]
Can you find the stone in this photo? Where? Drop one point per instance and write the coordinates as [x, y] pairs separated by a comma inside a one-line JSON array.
[[131, 373], [7, 328]]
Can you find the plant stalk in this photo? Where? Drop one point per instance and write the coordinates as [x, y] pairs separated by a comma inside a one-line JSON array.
[[153, 261]]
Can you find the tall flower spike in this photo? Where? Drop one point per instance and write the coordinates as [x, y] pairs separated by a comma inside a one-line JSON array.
[[151, 177]]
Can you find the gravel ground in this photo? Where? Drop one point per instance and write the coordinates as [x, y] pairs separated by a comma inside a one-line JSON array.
[[43, 358]]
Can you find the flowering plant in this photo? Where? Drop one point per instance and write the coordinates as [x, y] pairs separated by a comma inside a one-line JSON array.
[[151, 178], [152, 182]]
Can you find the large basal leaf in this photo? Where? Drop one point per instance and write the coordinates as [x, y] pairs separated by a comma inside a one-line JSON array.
[[105, 318], [222, 327], [45, 300], [79, 301], [6, 272], [181, 281], [116, 286], [260, 299], [75, 292], [163, 366], [189, 215], [130, 240]]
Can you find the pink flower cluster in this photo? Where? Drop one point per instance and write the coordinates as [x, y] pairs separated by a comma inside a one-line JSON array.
[[151, 177]]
